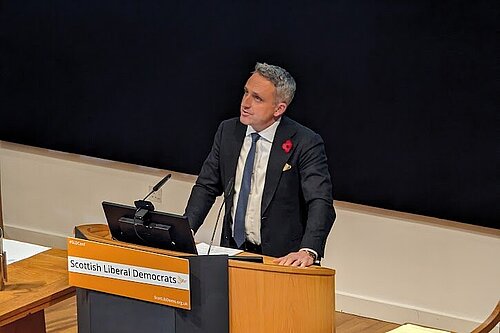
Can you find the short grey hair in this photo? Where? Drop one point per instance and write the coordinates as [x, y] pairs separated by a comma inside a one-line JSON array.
[[282, 80]]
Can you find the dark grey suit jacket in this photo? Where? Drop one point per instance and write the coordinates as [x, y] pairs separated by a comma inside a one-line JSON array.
[[297, 204]]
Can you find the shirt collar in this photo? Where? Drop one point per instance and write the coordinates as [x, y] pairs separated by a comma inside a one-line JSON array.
[[268, 133]]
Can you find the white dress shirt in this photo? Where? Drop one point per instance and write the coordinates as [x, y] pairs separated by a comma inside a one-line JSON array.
[[262, 152]]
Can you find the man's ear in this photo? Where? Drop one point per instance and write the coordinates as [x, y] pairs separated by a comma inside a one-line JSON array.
[[280, 109]]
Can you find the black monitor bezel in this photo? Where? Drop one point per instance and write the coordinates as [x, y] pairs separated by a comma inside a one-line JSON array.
[[165, 227]]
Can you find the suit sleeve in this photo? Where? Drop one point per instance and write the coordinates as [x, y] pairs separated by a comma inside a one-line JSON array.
[[208, 186], [317, 191]]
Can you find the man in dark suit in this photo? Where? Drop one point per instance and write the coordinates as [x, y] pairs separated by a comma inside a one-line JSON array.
[[281, 204]]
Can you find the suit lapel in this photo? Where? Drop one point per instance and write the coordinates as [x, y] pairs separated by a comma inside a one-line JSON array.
[[234, 142], [277, 160]]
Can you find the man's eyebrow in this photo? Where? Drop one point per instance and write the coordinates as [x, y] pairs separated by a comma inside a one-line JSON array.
[[256, 94]]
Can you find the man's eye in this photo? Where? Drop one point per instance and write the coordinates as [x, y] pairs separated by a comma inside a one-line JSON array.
[[257, 98]]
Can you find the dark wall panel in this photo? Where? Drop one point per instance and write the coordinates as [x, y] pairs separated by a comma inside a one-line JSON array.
[[403, 92]]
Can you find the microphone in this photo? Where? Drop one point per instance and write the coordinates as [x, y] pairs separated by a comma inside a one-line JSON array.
[[227, 193], [147, 205], [144, 207], [160, 184]]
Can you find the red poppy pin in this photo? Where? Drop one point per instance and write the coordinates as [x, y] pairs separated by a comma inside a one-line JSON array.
[[287, 146]]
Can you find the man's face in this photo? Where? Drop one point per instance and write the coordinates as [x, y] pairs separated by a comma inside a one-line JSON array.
[[259, 107]]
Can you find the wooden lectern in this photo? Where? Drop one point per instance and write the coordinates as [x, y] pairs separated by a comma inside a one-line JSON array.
[[226, 295]]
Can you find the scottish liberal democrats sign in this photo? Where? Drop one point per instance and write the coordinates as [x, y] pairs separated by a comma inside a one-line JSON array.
[[128, 272]]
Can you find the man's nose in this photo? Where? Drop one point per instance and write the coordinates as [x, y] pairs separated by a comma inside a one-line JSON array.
[[246, 101]]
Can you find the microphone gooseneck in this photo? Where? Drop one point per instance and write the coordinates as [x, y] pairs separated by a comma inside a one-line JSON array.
[[158, 186], [227, 193], [143, 206]]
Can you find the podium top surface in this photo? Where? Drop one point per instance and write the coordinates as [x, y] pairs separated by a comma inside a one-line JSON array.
[[101, 233]]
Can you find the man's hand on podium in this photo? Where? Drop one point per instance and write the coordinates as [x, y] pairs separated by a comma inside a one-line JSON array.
[[297, 259]]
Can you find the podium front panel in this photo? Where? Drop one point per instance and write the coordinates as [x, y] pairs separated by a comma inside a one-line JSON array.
[[106, 313]]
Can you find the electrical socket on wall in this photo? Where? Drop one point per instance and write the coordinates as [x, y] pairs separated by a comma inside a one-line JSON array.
[[156, 196]]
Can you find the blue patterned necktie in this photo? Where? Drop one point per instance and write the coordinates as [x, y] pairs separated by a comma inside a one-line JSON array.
[[241, 208]]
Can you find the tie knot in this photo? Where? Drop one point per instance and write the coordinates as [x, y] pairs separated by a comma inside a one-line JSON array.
[[255, 137]]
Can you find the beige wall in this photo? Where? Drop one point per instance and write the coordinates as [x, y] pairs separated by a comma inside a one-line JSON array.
[[392, 266]]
